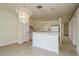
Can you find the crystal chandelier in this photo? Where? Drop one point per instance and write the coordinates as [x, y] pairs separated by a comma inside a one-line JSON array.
[[23, 12]]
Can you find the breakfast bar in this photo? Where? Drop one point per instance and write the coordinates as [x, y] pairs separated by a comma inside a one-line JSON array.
[[46, 40]]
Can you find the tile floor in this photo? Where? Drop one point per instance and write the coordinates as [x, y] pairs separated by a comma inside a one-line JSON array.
[[66, 48], [26, 49]]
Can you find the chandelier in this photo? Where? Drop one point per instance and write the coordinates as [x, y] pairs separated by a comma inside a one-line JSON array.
[[23, 13]]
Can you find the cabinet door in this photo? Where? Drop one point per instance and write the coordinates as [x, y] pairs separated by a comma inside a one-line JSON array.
[[54, 28]]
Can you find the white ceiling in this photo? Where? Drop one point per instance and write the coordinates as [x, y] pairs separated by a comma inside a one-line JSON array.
[[65, 10]]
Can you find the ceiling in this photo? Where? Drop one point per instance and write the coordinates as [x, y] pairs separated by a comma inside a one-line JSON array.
[[49, 11]]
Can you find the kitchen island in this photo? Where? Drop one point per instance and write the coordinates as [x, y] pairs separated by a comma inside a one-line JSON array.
[[46, 40]]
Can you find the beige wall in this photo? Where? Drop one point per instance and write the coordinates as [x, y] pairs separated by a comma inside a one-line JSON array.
[[31, 22], [71, 30], [77, 31], [74, 30], [8, 28]]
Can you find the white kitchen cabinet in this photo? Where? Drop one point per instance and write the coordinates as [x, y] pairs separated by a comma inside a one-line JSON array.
[[46, 40]]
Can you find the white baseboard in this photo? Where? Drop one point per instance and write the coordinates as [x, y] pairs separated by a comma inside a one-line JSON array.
[[6, 43]]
